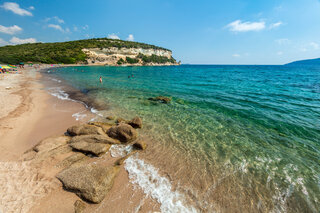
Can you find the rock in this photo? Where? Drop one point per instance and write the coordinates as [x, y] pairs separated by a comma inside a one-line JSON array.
[[140, 144], [120, 120], [161, 99], [111, 118], [75, 158], [94, 139], [89, 181], [104, 126], [136, 122], [85, 129], [123, 132], [79, 206], [96, 149], [121, 160], [51, 143]]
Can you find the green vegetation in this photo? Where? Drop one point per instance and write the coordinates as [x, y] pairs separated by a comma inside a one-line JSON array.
[[64, 52], [120, 61], [156, 59], [132, 60]]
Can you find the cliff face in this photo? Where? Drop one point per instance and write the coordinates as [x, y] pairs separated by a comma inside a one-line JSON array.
[[114, 56]]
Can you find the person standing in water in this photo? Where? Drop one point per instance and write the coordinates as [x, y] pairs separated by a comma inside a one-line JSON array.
[[100, 79]]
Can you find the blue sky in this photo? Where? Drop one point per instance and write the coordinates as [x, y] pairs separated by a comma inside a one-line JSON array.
[[198, 32]]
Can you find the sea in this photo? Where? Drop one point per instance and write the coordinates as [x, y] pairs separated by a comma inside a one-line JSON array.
[[232, 139]]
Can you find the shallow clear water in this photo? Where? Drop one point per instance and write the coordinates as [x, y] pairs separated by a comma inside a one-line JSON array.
[[234, 138]]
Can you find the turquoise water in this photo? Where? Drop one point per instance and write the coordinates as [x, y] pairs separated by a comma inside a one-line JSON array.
[[234, 138]]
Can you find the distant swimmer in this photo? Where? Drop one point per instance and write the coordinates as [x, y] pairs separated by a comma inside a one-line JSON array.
[[100, 79], [128, 76], [132, 75]]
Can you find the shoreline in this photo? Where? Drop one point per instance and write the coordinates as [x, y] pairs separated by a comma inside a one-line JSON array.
[[35, 118]]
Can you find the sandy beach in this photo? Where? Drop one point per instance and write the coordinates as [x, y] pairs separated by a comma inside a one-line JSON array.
[[28, 114]]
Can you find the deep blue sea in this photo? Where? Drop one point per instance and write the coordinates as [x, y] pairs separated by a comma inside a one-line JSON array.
[[233, 138]]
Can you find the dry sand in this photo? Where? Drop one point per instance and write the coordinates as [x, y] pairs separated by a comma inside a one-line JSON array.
[[27, 115]]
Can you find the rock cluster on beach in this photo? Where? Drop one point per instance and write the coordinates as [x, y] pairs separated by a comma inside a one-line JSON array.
[[79, 156]]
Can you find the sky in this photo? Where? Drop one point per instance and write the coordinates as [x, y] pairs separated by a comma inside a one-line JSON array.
[[197, 32]]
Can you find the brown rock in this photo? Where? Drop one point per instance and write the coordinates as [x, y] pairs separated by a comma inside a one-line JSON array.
[[89, 181], [94, 139], [85, 129], [121, 160], [140, 144], [161, 99], [123, 132], [96, 149], [120, 120], [79, 206], [110, 117], [104, 126], [136, 122], [75, 158], [51, 143]]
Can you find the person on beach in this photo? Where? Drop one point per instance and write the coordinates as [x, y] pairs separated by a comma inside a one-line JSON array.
[[100, 79]]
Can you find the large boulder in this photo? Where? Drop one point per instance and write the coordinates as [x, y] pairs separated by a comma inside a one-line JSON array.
[[136, 122], [51, 143], [94, 139], [89, 181], [123, 132], [73, 159], [85, 129], [161, 99], [96, 149]]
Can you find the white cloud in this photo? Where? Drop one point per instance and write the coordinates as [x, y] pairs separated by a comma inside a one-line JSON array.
[[56, 19], [283, 41], [59, 20], [16, 40], [75, 28], [10, 30], [85, 27], [239, 26], [314, 45], [236, 55], [31, 8], [279, 53], [3, 42], [56, 26], [130, 37], [15, 8], [113, 36], [275, 25]]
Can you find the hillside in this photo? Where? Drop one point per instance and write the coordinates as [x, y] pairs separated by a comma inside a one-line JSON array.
[[98, 51], [306, 62]]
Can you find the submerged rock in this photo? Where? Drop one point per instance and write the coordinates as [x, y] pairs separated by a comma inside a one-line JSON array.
[[85, 129], [140, 144], [89, 181], [136, 122], [123, 132], [94, 139], [110, 117], [161, 99], [120, 120], [96, 149], [79, 206]]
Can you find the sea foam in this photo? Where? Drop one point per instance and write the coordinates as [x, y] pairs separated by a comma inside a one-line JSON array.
[[147, 177]]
